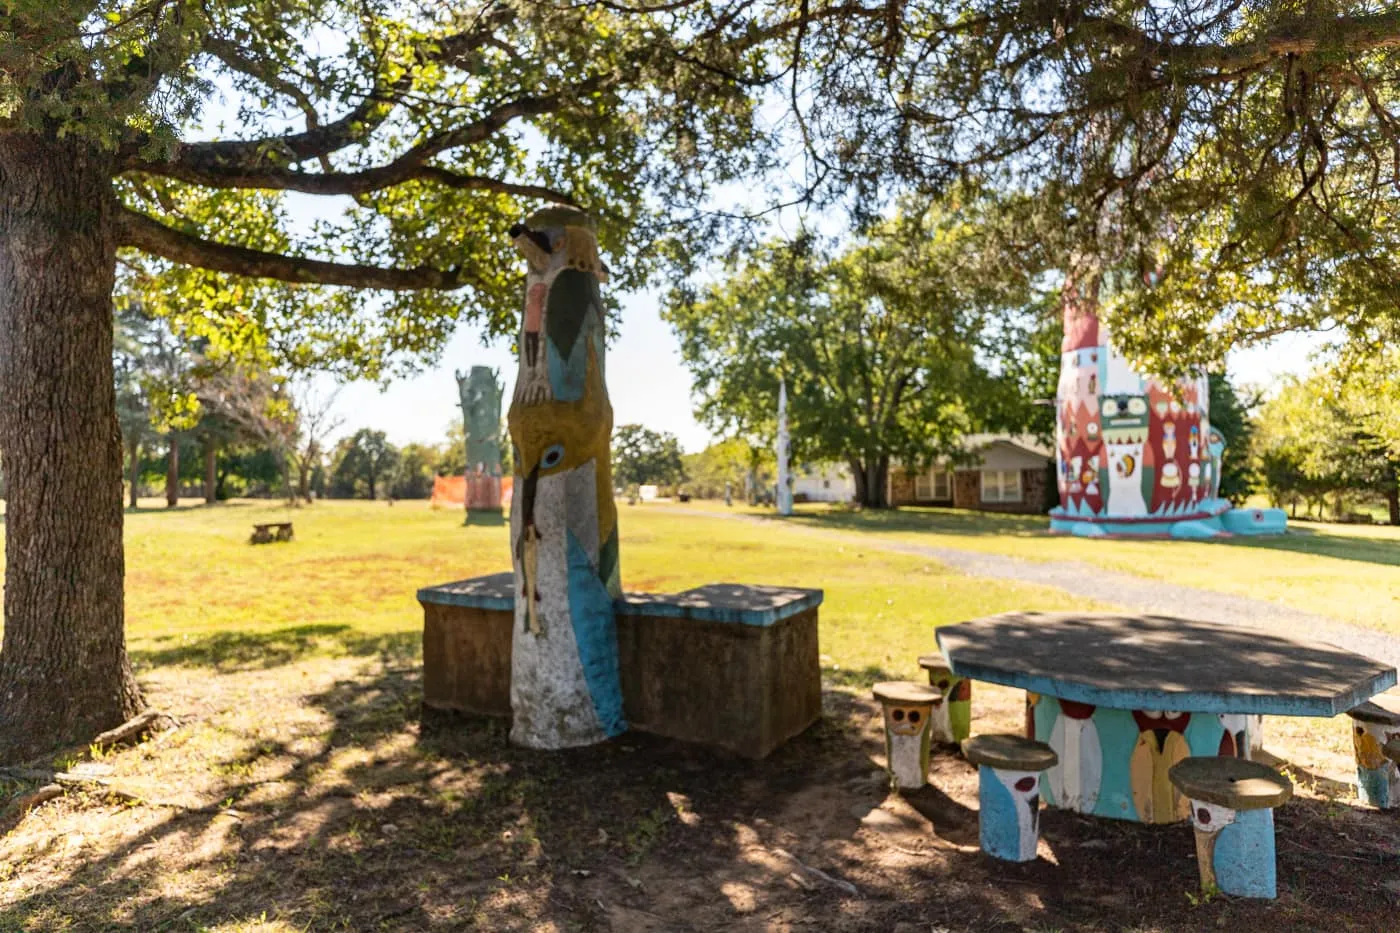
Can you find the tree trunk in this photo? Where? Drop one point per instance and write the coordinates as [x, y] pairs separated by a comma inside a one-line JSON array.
[[211, 471], [172, 474], [64, 674], [1392, 499], [858, 474], [134, 477], [872, 478], [371, 485]]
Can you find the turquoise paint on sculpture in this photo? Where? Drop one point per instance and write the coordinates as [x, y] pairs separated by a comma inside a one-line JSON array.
[[1135, 456], [1009, 813], [1235, 849]]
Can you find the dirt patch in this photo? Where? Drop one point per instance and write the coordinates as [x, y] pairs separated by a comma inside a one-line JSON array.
[[312, 797]]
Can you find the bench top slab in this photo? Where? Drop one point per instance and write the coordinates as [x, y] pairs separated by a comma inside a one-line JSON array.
[[1162, 663], [739, 603], [905, 693]]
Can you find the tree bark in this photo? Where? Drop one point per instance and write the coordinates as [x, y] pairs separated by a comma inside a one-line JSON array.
[[211, 471], [172, 474], [64, 673], [872, 475], [1392, 499], [134, 475]]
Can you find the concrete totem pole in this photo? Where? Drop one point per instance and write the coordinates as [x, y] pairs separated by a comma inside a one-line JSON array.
[[481, 394], [565, 688], [1135, 455], [784, 497]]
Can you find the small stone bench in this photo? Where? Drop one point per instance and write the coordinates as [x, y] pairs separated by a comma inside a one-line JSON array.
[[271, 531], [952, 717], [1375, 724], [909, 714], [728, 665], [1232, 812], [1008, 792]]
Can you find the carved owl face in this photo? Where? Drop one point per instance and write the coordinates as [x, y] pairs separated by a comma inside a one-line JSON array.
[[906, 720]]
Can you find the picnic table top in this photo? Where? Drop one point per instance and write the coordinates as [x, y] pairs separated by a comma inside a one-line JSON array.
[[1162, 663]]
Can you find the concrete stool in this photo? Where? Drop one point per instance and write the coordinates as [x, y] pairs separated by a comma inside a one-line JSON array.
[[908, 714], [1374, 724], [952, 715], [1008, 792], [1232, 811]]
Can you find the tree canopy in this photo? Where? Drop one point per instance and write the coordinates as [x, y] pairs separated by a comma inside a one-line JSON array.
[[641, 456], [879, 344]]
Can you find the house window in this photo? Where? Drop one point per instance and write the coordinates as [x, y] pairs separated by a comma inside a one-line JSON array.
[[933, 485], [1001, 485]]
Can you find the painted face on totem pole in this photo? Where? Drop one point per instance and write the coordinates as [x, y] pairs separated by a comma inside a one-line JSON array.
[[906, 720], [1124, 418]]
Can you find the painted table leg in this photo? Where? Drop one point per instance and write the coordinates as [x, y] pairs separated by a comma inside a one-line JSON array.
[[1114, 762], [1235, 849], [1009, 816]]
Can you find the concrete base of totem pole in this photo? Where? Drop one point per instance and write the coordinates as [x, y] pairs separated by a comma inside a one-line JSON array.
[[1214, 519], [729, 666]]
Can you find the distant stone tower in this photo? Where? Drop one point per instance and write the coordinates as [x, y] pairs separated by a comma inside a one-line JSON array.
[[481, 395], [1135, 455], [565, 687]]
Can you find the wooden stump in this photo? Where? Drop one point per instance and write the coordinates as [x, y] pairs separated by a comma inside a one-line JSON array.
[[908, 710]]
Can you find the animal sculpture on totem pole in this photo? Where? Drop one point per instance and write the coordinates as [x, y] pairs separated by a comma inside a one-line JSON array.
[[565, 688], [1135, 455], [481, 395]]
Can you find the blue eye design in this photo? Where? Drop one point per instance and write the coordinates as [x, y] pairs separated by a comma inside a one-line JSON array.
[[552, 456]]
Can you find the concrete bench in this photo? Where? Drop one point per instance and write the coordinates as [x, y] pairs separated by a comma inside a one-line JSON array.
[[1232, 812], [1008, 793], [271, 531], [727, 665], [908, 714], [1375, 724]]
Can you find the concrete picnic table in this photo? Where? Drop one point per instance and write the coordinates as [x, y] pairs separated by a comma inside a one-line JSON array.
[[1122, 698]]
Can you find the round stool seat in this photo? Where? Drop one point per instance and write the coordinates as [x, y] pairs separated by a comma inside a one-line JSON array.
[[1383, 709], [1009, 753], [1231, 782], [906, 693], [933, 662]]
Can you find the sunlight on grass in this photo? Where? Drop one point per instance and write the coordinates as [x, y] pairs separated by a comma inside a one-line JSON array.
[[1348, 572]]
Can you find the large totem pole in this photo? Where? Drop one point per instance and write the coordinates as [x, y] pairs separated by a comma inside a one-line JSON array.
[[565, 689], [1135, 455], [481, 416]]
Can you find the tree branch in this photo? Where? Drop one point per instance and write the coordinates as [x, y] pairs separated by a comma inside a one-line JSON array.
[[142, 232]]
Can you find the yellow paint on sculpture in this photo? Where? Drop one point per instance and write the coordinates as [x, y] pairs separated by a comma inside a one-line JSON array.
[[1157, 801], [1368, 750]]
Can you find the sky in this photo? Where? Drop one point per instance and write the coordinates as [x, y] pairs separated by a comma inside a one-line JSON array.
[[647, 381]]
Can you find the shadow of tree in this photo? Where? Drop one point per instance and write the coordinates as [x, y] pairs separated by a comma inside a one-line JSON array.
[[368, 818], [241, 650]]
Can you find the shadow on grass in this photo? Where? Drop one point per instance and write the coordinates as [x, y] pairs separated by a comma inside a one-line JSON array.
[[232, 651]]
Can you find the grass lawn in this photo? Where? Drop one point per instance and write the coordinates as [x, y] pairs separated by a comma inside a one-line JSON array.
[[197, 592], [1348, 572], [301, 790]]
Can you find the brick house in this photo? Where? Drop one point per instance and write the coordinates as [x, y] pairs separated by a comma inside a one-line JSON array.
[[999, 473]]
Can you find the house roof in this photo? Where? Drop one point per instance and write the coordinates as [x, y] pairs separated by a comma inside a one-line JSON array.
[[974, 443]]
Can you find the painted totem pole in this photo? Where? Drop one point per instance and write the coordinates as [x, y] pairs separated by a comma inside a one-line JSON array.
[[481, 416], [565, 689], [784, 498], [1135, 455]]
